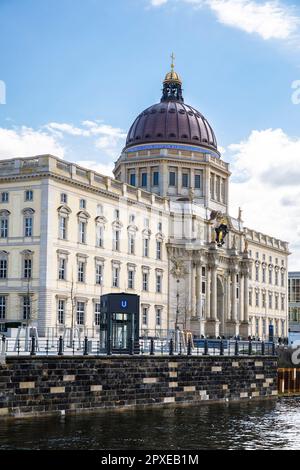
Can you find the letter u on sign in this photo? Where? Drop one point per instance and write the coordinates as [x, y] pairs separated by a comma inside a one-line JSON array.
[[124, 303]]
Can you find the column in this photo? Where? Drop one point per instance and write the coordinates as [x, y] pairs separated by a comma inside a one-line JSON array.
[[228, 304], [214, 294], [241, 297], [198, 290], [233, 297], [246, 298], [207, 293]]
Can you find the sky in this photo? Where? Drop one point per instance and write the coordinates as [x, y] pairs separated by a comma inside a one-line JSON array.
[[74, 75]]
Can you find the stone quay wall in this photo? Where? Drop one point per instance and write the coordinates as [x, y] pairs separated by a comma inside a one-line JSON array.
[[35, 386]]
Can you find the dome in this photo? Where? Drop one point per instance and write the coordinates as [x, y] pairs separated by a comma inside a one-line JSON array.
[[171, 120]]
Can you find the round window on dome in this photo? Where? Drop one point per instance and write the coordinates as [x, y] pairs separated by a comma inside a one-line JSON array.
[[159, 135], [184, 136], [172, 135], [191, 113], [181, 111], [147, 136], [172, 110], [195, 137], [153, 111]]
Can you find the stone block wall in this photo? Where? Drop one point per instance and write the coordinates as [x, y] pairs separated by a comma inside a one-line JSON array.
[[40, 385]]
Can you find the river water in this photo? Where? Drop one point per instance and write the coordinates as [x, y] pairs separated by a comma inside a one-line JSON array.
[[254, 425]]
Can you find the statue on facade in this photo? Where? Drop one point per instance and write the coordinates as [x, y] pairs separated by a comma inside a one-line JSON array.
[[220, 226]]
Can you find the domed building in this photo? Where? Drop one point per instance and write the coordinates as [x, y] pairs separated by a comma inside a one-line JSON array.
[[160, 229]]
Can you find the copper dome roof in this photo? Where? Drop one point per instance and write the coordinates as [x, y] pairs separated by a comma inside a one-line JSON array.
[[171, 120]]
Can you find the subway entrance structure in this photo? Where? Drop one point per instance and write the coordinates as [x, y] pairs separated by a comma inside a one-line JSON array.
[[119, 323]]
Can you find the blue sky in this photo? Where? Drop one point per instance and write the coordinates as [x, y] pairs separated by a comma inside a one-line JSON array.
[[77, 72]]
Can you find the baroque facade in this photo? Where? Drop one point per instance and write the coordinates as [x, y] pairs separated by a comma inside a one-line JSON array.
[[68, 235]]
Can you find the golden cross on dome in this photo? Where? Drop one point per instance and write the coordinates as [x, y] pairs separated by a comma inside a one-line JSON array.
[[173, 58]]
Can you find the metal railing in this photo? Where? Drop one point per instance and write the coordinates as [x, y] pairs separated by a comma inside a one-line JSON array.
[[147, 346]]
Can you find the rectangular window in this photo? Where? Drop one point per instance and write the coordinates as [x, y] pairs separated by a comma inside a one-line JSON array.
[[81, 271], [155, 178], [185, 180], [131, 244], [276, 278], [144, 180], [145, 316], [270, 301], [117, 214], [3, 268], [264, 275], [61, 312], [27, 268], [99, 236], [132, 179], [29, 195], [116, 240], [26, 307], [2, 307], [145, 281], [63, 198], [63, 228], [82, 232], [80, 311], [99, 274], [97, 313], [62, 269], [282, 279], [116, 272], [146, 247], [257, 326], [282, 302], [3, 227], [203, 288], [263, 300], [4, 197], [130, 279], [197, 181], [28, 224], [282, 328], [257, 273], [158, 317], [172, 178], [250, 298], [158, 283], [264, 327], [158, 249], [276, 302], [270, 277], [82, 204], [256, 299]]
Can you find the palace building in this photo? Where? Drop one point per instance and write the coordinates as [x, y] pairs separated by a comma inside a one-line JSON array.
[[161, 229]]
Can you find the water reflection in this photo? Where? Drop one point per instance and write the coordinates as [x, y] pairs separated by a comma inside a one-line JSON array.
[[256, 425]]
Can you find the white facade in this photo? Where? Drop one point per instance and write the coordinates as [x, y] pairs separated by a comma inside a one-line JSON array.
[[68, 235]]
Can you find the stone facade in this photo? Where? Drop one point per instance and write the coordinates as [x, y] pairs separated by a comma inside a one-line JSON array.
[[68, 235], [35, 386]]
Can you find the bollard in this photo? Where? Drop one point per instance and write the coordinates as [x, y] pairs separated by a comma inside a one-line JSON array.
[[250, 348], [60, 346], [263, 348], [85, 350], [189, 347], [33, 346], [206, 348], [221, 348], [236, 349], [151, 347], [131, 347], [171, 347]]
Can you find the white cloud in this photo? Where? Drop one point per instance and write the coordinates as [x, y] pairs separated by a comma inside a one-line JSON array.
[[265, 183], [102, 168], [158, 3], [270, 19], [25, 142]]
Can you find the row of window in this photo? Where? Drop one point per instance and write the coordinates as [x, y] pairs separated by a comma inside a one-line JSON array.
[[277, 330], [294, 290], [28, 196], [26, 306], [116, 272], [116, 238], [27, 266], [264, 258], [262, 300], [272, 276], [173, 178], [27, 226]]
